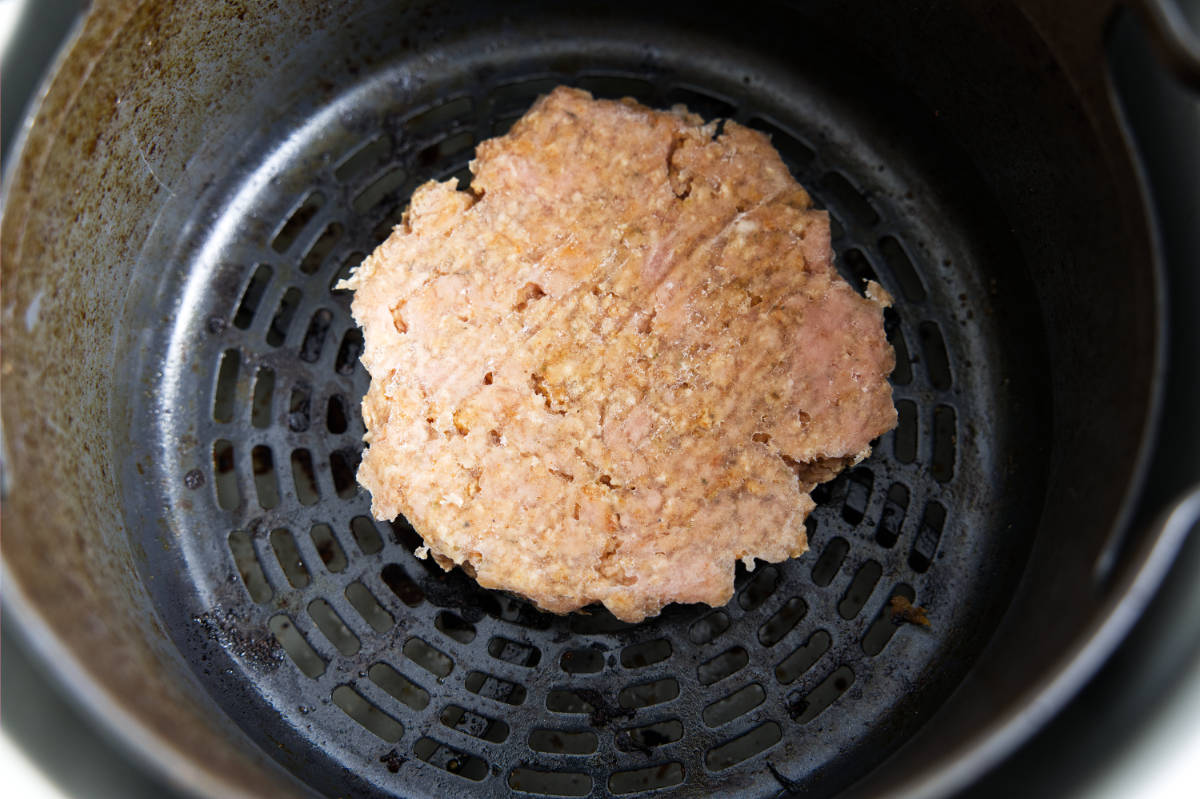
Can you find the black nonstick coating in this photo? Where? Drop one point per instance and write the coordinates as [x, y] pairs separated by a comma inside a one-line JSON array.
[[366, 671]]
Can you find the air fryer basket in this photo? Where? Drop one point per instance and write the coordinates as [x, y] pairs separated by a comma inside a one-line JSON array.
[[180, 367]]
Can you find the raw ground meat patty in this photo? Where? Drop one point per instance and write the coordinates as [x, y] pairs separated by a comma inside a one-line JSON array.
[[618, 363]]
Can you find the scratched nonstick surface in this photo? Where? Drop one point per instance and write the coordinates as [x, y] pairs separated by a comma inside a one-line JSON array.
[[367, 671]]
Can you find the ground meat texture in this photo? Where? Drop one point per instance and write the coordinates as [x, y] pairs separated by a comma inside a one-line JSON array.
[[618, 363]]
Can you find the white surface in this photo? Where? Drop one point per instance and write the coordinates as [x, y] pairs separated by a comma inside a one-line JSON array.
[[10, 10], [21, 778], [1165, 762]]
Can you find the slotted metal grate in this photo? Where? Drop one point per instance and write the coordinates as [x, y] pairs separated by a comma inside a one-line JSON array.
[[348, 658]]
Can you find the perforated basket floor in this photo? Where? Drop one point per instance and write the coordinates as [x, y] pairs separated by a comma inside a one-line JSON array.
[[367, 671]]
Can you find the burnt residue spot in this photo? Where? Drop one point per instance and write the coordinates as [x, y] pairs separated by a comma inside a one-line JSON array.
[[194, 479], [604, 710], [393, 761], [644, 739], [230, 631]]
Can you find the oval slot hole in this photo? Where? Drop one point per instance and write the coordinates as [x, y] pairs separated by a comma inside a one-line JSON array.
[[549, 783], [366, 534], [803, 658], [473, 724], [260, 406], [723, 665], [491, 687], [902, 268], [395, 578], [332, 627], [296, 646], [859, 590], [760, 588], [277, 332], [830, 562], [304, 477], [363, 601], [649, 694], [399, 687], [335, 415], [342, 465], [225, 392], [937, 363], [804, 709], [744, 747], [298, 408], [229, 496], [514, 652], [328, 548], [885, 624], [636, 656], [902, 374], [581, 661], [299, 219], [437, 663], [561, 742], [560, 701], [350, 350], [454, 626], [709, 628], [357, 163], [252, 297], [262, 463], [642, 739], [929, 535], [245, 559], [735, 705], [906, 431], [945, 443], [315, 335], [785, 619], [650, 778], [288, 555], [451, 760], [372, 718], [895, 508], [321, 248], [795, 153]]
